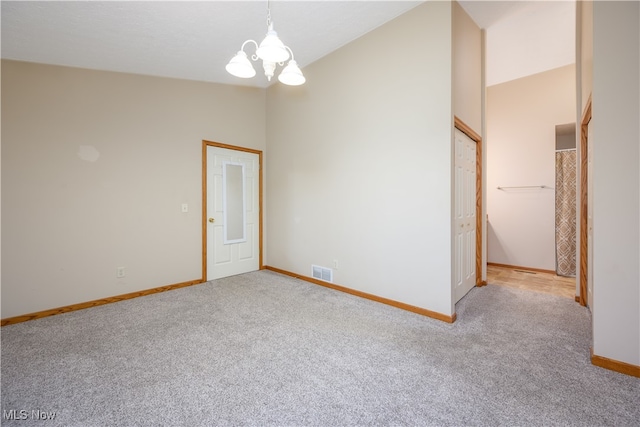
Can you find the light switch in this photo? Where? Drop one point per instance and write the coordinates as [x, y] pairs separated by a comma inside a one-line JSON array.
[[185, 208]]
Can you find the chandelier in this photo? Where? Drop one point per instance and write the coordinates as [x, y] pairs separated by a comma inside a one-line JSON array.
[[272, 52]]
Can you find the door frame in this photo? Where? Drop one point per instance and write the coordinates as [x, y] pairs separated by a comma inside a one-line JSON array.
[[584, 202], [205, 145], [464, 128]]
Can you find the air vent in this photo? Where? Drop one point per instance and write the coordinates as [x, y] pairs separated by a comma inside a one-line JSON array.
[[322, 273]]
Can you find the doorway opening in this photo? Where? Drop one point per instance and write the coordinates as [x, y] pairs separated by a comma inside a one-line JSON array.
[[468, 246], [585, 225]]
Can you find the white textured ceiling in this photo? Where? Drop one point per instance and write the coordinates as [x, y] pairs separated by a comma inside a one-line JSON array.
[[195, 39]]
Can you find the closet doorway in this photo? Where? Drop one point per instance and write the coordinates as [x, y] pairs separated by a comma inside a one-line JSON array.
[[467, 209]]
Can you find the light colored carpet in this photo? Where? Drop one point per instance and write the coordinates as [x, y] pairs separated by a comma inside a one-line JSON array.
[[265, 349]]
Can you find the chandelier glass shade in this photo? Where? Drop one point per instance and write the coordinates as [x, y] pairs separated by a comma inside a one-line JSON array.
[[272, 49], [240, 66], [272, 52]]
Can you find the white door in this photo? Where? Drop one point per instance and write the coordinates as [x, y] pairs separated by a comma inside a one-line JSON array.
[[589, 216], [233, 212], [465, 215]]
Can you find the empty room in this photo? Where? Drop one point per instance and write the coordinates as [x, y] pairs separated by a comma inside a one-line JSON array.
[[275, 213]]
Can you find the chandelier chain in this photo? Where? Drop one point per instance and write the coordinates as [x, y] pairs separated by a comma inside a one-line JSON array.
[[268, 14]]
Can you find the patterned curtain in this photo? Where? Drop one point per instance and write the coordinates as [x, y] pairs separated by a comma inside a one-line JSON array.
[[566, 213]]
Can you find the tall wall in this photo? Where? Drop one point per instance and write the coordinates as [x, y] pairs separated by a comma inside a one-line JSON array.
[[360, 163], [521, 119], [95, 167], [585, 47], [615, 132], [467, 69], [468, 94], [511, 41], [584, 88]]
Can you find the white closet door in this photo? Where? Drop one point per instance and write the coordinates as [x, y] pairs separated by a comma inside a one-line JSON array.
[[465, 215]]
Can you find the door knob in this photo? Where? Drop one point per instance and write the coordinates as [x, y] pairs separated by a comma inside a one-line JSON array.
[[211, 220]]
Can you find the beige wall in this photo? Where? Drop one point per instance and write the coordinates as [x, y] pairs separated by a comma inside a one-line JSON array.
[[584, 88], [467, 69], [468, 92], [360, 163], [95, 167], [521, 119], [586, 51], [510, 42], [615, 133]]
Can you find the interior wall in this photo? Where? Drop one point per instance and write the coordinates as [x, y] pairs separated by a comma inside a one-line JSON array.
[[360, 163], [584, 88], [566, 136], [468, 94], [511, 41], [586, 52], [95, 168], [467, 69], [521, 118], [616, 181]]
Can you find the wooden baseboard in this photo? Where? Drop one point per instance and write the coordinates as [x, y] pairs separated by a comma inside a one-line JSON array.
[[95, 303], [615, 365], [517, 267], [401, 305]]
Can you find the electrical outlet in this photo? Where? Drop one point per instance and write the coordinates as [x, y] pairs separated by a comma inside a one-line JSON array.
[[185, 208], [335, 264], [120, 272]]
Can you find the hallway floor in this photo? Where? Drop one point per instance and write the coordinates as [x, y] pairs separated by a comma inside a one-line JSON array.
[[532, 280]]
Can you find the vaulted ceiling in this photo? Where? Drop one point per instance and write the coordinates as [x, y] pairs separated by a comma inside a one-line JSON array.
[[195, 40]]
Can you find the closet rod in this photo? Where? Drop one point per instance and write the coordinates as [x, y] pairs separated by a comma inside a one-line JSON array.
[[524, 186]]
